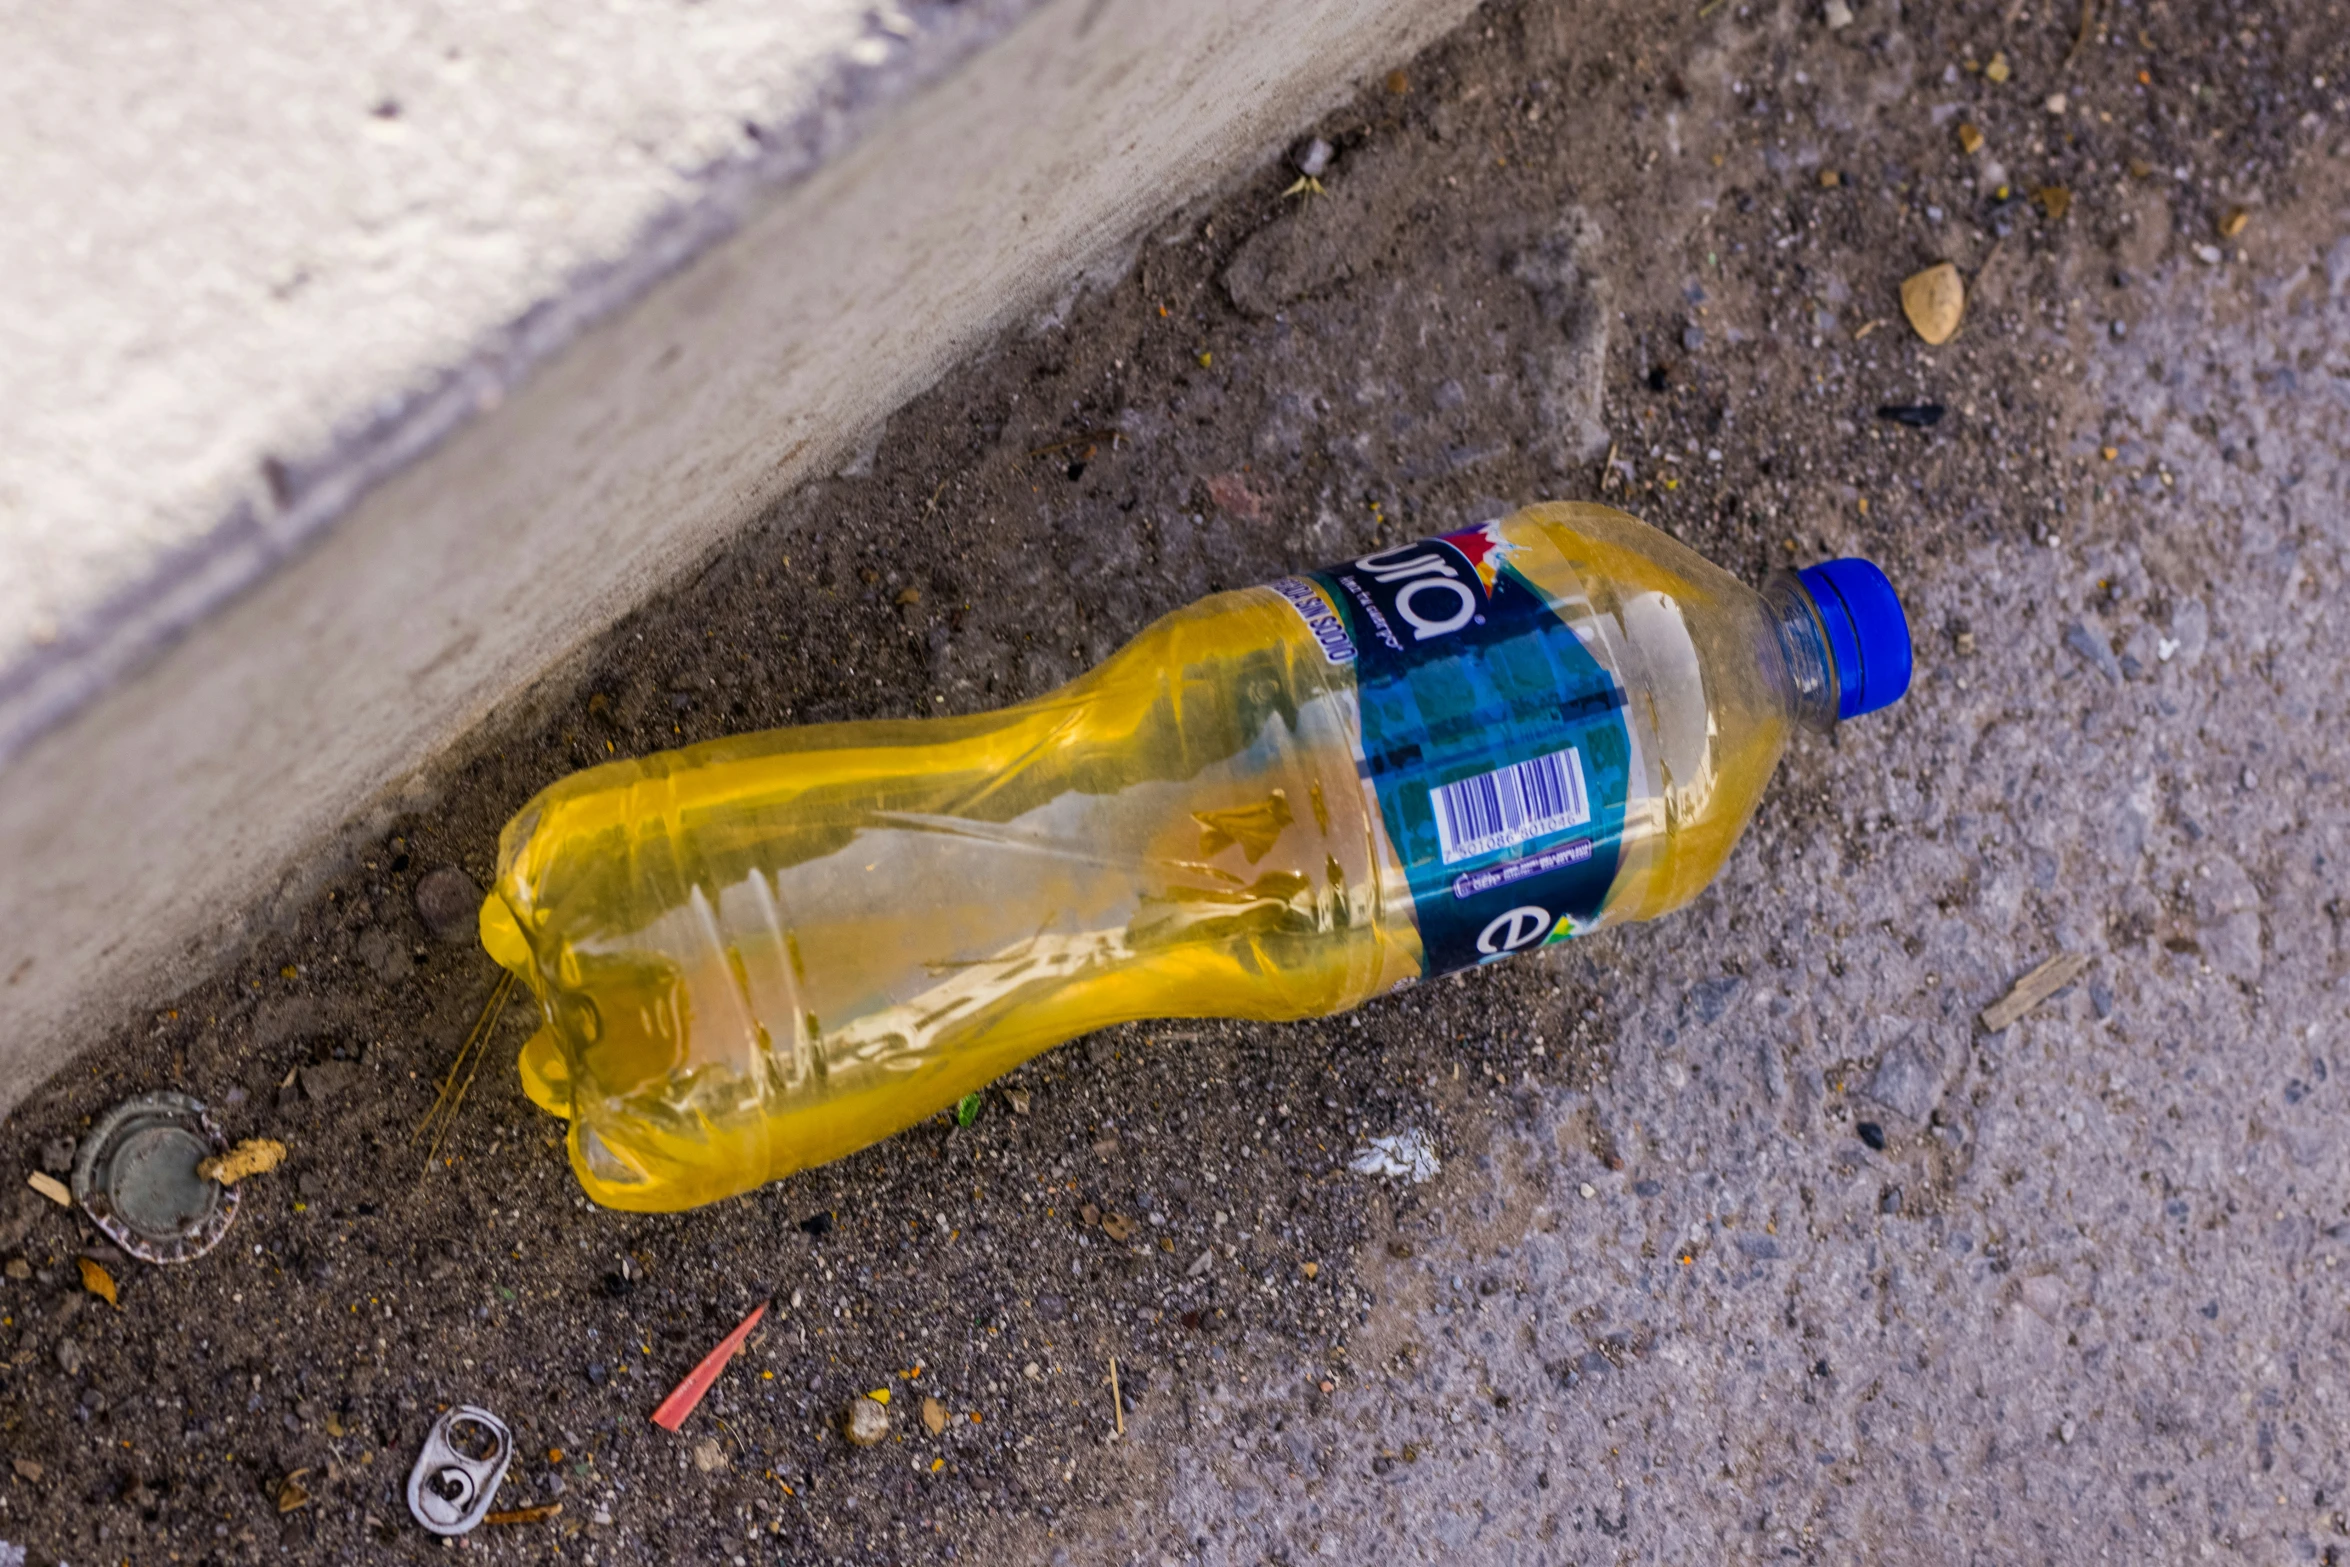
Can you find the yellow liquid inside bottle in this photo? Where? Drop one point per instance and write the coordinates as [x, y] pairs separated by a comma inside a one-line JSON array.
[[761, 953]]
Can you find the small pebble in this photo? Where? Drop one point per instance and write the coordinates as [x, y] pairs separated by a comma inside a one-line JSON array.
[[1872, 1134], [1934, 300], [449, 904], [1588, 1190], [709, 1457], [1313, 157], [867, 1423]]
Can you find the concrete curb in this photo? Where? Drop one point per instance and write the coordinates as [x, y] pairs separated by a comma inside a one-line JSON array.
[[245, 688]]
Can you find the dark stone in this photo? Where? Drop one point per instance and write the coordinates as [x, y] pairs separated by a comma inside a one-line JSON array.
[[1710, 998], [1911, 1078], [1917, 416], [817, 1224], [1871, 1133], [449, 903]]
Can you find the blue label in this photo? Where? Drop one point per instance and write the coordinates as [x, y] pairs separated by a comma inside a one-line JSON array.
[[1494, 741]]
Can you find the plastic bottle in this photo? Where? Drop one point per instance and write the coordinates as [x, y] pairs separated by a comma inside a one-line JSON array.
[[758, 954]]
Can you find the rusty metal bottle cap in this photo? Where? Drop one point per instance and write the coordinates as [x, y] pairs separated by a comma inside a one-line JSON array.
[[136, 1176]]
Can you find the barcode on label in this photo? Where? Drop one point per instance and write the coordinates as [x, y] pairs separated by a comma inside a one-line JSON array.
[[1510, 805]]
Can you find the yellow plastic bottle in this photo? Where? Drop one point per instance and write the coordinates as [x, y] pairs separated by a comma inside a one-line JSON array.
[[758, 954]]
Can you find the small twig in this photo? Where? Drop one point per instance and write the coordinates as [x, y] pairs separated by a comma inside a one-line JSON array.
[[497, 993], [461, 1075], [2034, 988], [538, 1514], [2081, 39], [1081, 436], [1867, 329], [1607, 470], [1117, 1405]]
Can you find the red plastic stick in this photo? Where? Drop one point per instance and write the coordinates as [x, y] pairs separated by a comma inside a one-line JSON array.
[[688, 1394]]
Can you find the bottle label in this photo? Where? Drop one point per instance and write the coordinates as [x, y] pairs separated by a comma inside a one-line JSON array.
[[1494, 740]]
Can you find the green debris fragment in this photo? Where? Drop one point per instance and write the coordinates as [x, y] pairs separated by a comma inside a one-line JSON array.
[[967, 1110]]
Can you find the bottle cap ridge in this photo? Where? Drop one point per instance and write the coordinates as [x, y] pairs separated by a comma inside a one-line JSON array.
[[1868, 635]]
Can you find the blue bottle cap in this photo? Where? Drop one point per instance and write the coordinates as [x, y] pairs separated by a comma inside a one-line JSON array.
[[1868, 636]]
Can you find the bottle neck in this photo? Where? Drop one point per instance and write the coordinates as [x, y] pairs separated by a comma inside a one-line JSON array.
[[1810, 683]]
